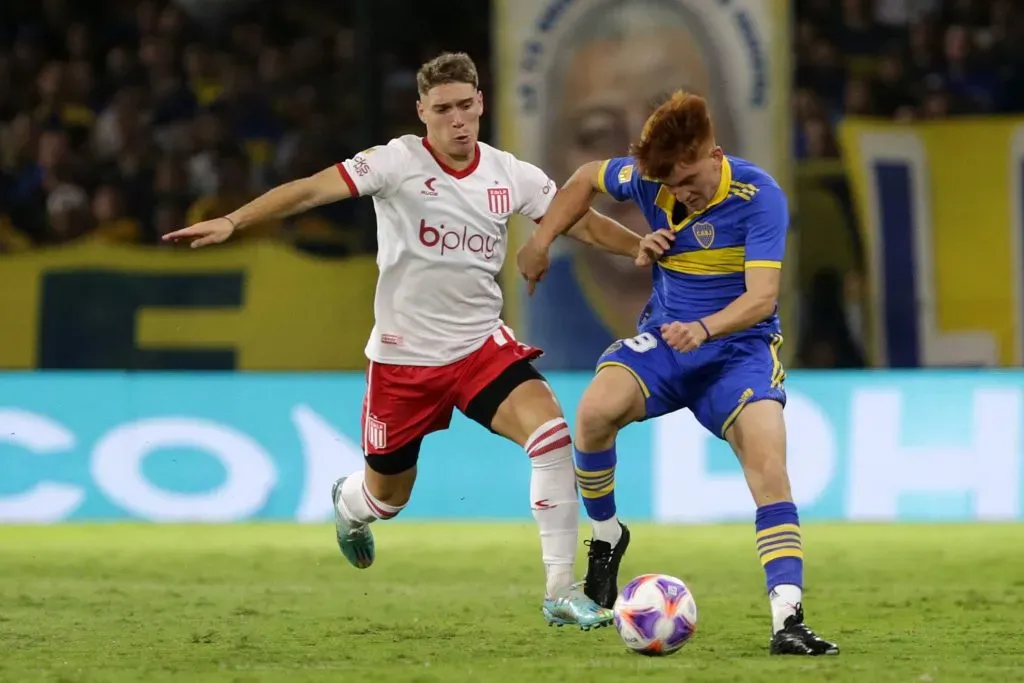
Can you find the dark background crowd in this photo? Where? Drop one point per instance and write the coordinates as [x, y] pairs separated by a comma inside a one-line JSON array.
[[903, 59], [121, 120]]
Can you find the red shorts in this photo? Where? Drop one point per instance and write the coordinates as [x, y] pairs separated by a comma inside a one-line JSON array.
[[404, 402]]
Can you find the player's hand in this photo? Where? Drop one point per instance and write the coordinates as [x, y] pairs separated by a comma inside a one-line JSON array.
[[654, 246], [533, 262], [203, 234], [683, 337]]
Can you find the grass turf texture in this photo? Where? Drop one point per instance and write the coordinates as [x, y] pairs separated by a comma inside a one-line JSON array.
[[450, 603]]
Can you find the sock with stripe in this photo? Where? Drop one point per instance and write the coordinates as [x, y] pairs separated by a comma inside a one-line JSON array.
[[595, 474], [554, 501], [359, 506], [782, 556]]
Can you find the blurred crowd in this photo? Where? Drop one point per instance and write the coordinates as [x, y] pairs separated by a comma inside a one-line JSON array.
[[121, 120], [903, 59]]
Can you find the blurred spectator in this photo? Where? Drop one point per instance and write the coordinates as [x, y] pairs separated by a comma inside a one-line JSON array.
[[233, 189], [109, 219]]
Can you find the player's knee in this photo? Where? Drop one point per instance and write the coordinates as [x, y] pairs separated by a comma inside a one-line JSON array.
[[390, 477], [608, 404], [595, 430]]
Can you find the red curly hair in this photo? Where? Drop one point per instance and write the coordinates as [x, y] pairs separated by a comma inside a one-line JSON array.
[[678, 131]]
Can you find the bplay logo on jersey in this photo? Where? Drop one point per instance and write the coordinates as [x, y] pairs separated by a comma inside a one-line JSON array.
[[448, 240]]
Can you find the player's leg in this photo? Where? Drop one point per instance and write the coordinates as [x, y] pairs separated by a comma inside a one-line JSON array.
[[520, 406], [505, 393], [630, 385], [402, 405], [366, 496], [745, 406]]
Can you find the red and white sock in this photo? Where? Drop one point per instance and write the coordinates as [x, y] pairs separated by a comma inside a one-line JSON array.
[[554, 501], [359, 506]]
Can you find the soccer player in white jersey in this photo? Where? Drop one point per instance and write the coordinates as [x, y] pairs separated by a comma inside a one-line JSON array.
[[443, 203]]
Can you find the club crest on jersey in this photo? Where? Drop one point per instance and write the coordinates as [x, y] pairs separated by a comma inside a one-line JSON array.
[[499, 202], [704, 234]]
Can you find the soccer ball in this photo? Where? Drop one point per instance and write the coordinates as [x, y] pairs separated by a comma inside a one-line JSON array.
[[655, 614]]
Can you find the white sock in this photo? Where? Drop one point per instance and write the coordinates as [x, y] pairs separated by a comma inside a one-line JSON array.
[[784, 600], [607, 530], [359, 506], [554, 501]]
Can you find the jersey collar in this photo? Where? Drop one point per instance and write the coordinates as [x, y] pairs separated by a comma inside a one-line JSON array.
[[667, 203], [458, 174]]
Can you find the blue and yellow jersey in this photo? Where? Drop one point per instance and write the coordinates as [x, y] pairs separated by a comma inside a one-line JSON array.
[[744, 226]]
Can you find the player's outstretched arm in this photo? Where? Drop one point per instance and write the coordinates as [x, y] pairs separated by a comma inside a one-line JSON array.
[[597, 230], [569, 204], [566, 209], [284, 200]]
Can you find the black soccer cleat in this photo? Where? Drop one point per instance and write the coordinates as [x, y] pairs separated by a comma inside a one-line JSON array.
[[601, 584], [796, 638]]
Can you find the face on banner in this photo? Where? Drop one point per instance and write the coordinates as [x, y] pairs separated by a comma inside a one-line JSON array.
[[617, 67], [589, 73]]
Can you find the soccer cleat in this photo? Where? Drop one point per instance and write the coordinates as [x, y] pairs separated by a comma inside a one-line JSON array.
[[796, 638], [355, 540], [601, 584], [573, 608]]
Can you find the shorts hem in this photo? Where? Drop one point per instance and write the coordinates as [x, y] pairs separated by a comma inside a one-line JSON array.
[[731, 418], [616, 364]]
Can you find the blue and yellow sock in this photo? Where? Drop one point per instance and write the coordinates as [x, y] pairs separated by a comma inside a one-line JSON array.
[[779, 545], [782, 556], [595, 474]]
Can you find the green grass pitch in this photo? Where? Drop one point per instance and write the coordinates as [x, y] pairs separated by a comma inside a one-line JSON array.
[[460, 602]]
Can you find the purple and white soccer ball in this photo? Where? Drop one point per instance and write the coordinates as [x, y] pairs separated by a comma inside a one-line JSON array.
[[655, 614]]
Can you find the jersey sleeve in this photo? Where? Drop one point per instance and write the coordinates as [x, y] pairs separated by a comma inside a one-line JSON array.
[[620, 179], [534, 190], [766, 229], [374, 171]]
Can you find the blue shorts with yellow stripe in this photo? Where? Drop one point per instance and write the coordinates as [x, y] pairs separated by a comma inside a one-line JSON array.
[[714, 381]]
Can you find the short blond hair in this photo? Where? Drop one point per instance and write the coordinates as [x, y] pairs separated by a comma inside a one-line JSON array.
[[448, 67]]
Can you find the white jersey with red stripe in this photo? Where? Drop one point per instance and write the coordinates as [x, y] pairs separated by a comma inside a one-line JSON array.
[[442, 236]]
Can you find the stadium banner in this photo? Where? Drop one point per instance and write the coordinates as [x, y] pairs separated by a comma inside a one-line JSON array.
[[228, 447], [940, 208], [577, 79], [247, 306]]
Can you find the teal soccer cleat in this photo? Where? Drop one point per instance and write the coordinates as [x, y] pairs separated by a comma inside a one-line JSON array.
[[573, 608], [355, 540]]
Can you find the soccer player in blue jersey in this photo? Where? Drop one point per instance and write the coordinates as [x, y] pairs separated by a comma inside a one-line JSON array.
[[708, 338]]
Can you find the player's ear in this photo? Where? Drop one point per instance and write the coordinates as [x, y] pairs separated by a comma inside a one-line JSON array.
[[419, 111], [480, 100], [717, 153]]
